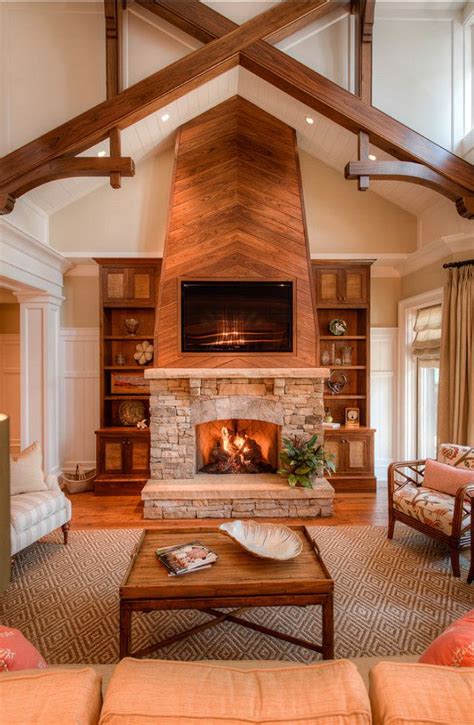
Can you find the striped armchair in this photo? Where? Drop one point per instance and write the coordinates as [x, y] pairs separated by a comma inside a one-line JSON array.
[[33, 515]]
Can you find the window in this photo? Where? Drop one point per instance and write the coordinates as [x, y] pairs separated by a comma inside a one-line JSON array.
[[426, 349]]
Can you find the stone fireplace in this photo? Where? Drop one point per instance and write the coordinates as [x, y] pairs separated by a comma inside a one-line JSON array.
[[215, 439]]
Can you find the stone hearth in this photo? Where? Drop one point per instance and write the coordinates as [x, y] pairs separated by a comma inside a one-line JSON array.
[[182, 399]]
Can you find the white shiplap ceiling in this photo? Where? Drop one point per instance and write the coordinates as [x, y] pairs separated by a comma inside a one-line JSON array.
[[325, 140]]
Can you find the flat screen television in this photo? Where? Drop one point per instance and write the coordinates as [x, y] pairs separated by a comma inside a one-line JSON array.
[[236, 316]]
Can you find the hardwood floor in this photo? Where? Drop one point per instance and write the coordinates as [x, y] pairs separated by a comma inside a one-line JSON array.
[[94, 512]]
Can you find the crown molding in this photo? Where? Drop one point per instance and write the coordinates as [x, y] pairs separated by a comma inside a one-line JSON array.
[[26, 263], [436, 251]]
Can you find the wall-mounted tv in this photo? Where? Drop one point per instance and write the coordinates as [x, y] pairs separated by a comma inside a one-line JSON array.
[[236, 316]]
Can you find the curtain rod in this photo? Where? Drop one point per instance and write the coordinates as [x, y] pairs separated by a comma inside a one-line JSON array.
[[458, 264]]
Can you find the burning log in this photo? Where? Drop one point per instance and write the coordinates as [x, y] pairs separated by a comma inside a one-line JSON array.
[[236, 452]]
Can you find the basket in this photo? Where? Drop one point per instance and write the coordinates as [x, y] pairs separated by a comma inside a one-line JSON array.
[[79, 481]]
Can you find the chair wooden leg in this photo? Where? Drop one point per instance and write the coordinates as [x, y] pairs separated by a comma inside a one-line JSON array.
[[65, 528], [455, 561], [391, 526]]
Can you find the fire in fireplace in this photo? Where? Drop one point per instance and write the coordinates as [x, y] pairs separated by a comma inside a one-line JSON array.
[[237, 446]]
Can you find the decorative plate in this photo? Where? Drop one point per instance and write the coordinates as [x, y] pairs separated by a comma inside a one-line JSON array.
[[131, 412], [338, 326], [267, 541]]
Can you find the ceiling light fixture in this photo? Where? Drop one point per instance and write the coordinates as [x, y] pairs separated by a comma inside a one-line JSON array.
[[165, 117], [101, 153], [309, 120], [372, 157]]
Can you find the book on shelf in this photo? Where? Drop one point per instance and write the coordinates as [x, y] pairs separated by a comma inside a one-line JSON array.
[[186, 558]]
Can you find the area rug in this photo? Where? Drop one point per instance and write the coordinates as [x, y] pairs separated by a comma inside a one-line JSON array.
[[390, 598]]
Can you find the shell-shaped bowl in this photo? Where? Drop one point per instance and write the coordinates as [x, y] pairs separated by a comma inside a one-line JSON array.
[[268, 541]]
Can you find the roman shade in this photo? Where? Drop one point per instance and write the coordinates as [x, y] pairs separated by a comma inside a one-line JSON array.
[[427, 328]]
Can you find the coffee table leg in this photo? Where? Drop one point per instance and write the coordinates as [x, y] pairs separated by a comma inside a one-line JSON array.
[[328, 628], [125, 630]]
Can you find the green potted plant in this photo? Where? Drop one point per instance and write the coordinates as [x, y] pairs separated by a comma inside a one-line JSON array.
[[302, 461]]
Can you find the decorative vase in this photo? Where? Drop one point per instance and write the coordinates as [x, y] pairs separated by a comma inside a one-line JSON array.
[[131, 325]]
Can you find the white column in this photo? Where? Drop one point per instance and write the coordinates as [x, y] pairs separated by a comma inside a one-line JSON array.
[[40, 374]]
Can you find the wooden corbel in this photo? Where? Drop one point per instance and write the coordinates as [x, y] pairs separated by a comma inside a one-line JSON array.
[[364, 170], [64, 168], [115, 152]]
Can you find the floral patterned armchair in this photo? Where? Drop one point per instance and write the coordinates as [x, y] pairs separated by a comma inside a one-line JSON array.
[[442, 516]]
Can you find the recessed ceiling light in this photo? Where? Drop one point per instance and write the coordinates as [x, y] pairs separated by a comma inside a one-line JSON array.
[[165, 117], [372, 157], [309, 120], [101, 153]]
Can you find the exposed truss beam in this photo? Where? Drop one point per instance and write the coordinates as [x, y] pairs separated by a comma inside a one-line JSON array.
[[113, 46], [319, 12], [365, 16], [64, 168], [414, 173], [318, 92], [148, 95]]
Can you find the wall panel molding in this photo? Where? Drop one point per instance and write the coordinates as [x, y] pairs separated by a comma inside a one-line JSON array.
[[79, 395], [383, 384]]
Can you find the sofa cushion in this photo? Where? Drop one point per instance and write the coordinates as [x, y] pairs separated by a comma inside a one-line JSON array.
[[455, 646], [405, 694], [432, 508], [17, 653], [444, 478], [51, 697], [26, 472], [185, 693], [454, 455], [27, 509]]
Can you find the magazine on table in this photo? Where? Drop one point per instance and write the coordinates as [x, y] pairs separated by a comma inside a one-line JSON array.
[[186, 558]]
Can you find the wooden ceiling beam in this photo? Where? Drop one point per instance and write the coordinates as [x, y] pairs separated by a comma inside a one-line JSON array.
[[61, 169], [317, 13], [113, 46], [415, 174], [318, 92], [148, 95], [364, 11]]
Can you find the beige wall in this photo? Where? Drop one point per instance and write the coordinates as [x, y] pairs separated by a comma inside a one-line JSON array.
[[385, 293], [133, 219], [9, 318], [81, 304], [342, 219], [430, 277], [130, 219]]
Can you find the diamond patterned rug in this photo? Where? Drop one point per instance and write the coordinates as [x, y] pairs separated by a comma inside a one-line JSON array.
[[390, 598]]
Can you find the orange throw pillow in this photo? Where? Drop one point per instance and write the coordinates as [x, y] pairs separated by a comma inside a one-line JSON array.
[[446, 479], [17, 653], [455, 646]]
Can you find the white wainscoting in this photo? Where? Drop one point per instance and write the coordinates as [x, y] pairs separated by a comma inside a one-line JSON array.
[[79, 398], [10, 385], [383, 382]]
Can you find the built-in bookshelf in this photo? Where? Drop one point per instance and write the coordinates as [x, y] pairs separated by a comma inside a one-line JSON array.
[[128, 289], [343, 292]]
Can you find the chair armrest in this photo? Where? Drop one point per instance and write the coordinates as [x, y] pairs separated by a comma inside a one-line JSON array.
[[406, 472], [52, 483], [466, 491]]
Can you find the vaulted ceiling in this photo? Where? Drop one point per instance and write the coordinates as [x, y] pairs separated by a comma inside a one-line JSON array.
[[324, 139]]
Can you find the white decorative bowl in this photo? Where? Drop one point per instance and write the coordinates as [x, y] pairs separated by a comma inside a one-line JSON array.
[[268, 541]]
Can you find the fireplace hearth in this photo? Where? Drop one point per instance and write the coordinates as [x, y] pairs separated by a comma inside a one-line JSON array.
[[215, 438]]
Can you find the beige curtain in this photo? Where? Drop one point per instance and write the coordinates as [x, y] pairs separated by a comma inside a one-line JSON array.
[[456, 383]]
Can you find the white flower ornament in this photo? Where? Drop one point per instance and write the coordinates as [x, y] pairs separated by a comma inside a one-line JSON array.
[[144, 352]]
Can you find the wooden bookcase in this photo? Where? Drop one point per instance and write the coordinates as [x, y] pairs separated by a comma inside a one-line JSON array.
[[128, 289], [343, 291]]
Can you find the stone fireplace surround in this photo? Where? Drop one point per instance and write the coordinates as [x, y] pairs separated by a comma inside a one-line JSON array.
[[182, 398]]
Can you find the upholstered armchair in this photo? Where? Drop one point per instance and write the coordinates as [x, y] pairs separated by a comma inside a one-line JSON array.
[[35, 514], [418, 501]]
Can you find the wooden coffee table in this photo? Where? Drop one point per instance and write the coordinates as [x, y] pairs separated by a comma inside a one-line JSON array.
[[237, 579]]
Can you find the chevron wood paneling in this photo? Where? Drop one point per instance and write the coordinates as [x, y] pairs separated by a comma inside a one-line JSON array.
[[236, 212]]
